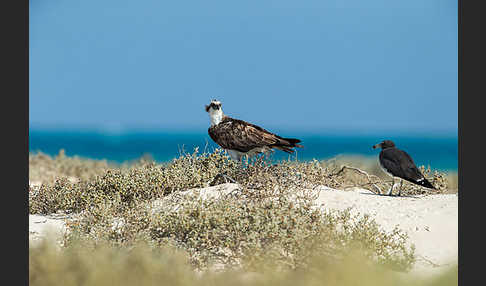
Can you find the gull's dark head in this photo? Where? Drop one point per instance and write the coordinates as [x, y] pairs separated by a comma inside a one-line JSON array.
[[213, 105], [384, 144]]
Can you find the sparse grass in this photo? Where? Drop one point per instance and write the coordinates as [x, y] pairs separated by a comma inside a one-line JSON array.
[[144, 265]]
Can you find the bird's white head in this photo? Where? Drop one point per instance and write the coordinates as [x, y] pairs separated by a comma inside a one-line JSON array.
[[215, 112]]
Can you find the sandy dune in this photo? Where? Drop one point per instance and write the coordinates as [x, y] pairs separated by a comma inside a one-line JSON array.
[[430, 221]]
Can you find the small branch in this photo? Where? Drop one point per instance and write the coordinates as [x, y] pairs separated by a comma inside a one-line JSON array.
[[224, 176], [430, 261], [370, 182]]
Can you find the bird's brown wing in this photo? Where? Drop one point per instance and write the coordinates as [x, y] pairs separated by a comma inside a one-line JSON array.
[[242, 136]]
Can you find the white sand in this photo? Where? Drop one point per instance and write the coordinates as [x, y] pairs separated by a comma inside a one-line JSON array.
[[430, 221], [46, 225]]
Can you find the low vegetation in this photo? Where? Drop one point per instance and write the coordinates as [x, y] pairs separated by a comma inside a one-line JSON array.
[[44, 168], [145, 265], [269, 222], [241, 229]]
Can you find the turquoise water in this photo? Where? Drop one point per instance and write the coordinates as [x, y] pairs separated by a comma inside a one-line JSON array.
[[438, 152]]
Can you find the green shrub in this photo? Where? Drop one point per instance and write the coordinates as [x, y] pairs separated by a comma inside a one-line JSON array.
[[145, 180], [241, 229], [270, 217]]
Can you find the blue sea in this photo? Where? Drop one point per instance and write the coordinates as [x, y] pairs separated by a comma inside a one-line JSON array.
[[440, 152]]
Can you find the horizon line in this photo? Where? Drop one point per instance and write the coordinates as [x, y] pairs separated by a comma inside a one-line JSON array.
[[196, 130]]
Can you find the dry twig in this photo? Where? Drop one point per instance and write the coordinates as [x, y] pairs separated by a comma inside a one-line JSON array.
[[370, 182]]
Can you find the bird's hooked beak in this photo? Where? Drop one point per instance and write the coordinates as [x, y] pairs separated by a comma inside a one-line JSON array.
[[215, 107], [377, 146]]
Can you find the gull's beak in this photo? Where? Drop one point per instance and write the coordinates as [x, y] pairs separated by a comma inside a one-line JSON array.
[[377, 146]]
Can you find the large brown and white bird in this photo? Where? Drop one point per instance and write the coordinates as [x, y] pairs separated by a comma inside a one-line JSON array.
[[397, 163], [241, 138]]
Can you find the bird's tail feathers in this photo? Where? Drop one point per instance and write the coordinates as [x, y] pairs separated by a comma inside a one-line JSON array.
[[285, 149], [293, 142]]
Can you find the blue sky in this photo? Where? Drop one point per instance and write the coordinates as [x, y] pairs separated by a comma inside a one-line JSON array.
[[320, 66]]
